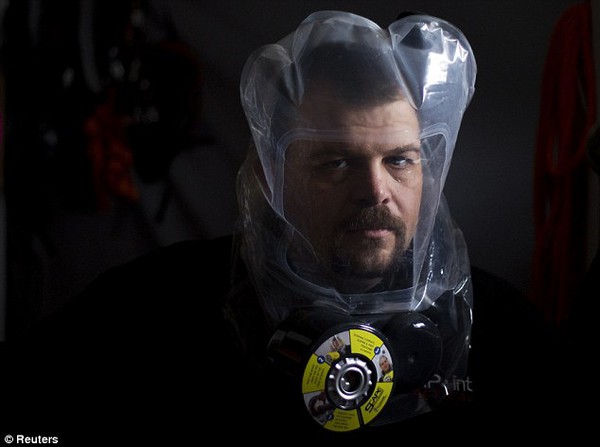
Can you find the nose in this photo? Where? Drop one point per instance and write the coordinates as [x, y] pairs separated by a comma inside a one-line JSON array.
[[372, 185]]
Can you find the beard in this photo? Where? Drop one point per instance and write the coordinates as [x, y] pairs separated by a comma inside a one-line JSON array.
[[368, 258]]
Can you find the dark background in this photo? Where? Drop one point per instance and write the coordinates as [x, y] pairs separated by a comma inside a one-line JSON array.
[[168, 73]]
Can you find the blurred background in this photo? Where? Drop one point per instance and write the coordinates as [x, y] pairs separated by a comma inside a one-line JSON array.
[[122, 131]]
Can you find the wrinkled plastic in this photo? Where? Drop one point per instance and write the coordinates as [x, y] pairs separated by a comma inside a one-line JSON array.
[[432, 64]]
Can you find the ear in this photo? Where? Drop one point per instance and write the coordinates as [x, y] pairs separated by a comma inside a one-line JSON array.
[[252, 175]]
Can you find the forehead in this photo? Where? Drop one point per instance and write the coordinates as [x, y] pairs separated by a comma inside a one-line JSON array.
[[395, 120]]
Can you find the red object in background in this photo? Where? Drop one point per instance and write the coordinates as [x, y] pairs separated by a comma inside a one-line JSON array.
[[567, 114], [110, 155]]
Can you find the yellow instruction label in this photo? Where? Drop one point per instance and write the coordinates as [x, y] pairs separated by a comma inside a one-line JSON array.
[[357, 342]]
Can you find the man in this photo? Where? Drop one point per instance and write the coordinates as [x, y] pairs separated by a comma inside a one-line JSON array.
[[346, 223], [344, 234]]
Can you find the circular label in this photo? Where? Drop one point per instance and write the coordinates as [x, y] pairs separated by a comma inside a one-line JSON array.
[[348, 379]]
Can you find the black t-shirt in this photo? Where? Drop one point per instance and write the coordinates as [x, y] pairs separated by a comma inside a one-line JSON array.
[[145, 353]]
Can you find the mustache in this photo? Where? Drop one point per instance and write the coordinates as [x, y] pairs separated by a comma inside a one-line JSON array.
[[374, 218]]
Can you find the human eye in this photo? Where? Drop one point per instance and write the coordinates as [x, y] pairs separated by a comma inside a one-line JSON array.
[[402, 161], [332, 158], [334, 164]]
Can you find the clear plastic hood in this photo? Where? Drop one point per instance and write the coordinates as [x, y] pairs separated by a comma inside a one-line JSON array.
[[354, 128]]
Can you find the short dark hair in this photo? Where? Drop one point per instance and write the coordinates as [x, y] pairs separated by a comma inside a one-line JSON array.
[[355, 73]]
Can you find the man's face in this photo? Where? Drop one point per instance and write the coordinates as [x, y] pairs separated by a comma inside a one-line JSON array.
[[356, 201]]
